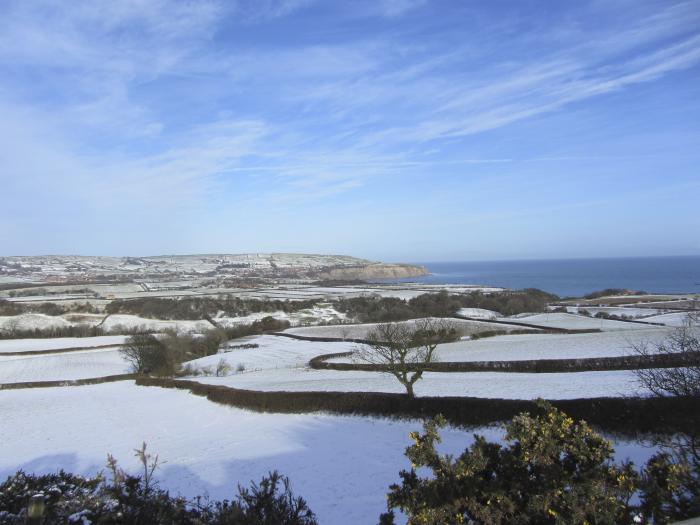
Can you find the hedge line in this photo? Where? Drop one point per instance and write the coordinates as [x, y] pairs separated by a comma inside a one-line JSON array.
[[587, 364], [321, 339], [68, 382], [58, 350], [626, 416]]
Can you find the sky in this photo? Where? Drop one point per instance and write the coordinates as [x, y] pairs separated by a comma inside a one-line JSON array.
[[396, 130]]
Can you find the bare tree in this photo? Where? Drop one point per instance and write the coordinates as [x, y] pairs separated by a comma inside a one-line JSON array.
[[672, 476], [682, 343], [403, 349]]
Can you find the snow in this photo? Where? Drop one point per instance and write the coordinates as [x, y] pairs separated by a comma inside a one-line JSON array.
[[341, 465], [227, 322], [116, 321], [497, 385], [31, 322], [671, 319], [274, 352], [57, 367], [28, 345], [479, 313], [550, 346], [316, 314], [573, 322], [281, 364], [637, 313], [359, 331]]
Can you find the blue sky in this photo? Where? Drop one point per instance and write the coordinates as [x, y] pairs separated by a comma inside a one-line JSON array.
[[389, 129]]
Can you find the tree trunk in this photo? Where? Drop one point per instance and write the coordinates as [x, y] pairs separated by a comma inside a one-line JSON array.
[[409, 389]]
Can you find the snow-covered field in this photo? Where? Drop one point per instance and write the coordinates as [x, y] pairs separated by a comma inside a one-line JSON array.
[[342, 465], [573, 322], [478, 313], [670, 319], [360, 331], [550, 346], [279, 364], [316, 314], [55, 367], [628, 311], [32, 322], [124, 321], [273, 353], [30, 345], [494, 385]]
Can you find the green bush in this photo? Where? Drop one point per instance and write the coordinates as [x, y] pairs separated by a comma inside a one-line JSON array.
[[554, 470]]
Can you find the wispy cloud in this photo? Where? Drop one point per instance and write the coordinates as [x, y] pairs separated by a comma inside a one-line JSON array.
[[161, 105]]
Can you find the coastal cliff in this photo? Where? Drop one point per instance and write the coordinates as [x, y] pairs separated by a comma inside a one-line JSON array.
[[374, 271]]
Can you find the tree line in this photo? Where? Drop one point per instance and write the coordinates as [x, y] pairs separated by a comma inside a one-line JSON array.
[[375, 309], [198, 308]]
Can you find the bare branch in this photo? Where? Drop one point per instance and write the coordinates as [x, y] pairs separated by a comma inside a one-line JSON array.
[[683, 380], [403, 348]]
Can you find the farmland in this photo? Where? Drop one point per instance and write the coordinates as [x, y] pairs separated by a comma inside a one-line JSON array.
[[211, 446]]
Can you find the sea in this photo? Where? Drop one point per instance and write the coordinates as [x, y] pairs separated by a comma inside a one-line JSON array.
[[572, 277]]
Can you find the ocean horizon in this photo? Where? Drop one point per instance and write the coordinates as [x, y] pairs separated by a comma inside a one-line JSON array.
[[573, 277]]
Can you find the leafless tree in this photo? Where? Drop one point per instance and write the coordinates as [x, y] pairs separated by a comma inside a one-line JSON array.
[[677, 467], [684, 380], [12, 326], [402, 349]]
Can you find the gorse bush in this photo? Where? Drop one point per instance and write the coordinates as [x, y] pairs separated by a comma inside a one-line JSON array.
[[137, 500], [552, 470], [671, 481]]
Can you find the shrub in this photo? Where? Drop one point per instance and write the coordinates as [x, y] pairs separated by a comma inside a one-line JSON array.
[[671, 481], [136, 500], [49, 333], [375, 309], [222, 368], [50, 309], [8, 308], [554, 470], [197, 308], [148, 355], [613, 291]]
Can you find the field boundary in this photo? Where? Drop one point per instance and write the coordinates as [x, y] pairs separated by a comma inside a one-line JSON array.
[[540, 330], [58, 350], [584, 364], [629, 416], [68, 382]]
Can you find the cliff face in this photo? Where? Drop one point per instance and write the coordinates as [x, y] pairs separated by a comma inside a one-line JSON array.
[[374, 271]]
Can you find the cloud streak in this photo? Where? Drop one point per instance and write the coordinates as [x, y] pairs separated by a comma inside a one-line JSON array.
[[166, 106]]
